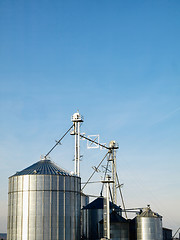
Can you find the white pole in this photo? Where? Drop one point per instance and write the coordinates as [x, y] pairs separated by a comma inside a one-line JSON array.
[[113, 147], [77, 119], [75, 148], [107, 202], [107, 209], [115, 182], [78, 150]]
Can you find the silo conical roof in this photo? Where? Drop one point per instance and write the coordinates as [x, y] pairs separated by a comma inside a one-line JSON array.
[[98, 203], [147, 212], [43, 167], [115, 218]]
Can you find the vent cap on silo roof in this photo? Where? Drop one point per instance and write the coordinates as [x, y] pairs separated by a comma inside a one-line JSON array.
[[43, 167]]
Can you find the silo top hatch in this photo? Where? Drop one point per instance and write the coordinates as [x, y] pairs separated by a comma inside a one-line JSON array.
[[43, 167]]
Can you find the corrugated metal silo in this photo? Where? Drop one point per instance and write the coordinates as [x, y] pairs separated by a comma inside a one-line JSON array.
[[119, 227], [149, 225], [84, 200], [92, 214], [44, 204]]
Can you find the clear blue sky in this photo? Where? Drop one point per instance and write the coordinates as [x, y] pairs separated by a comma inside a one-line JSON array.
[[116, 61]]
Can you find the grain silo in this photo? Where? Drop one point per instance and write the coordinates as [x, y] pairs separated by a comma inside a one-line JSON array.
[[92, 214], [119, 227], [44, 204], [149, 225]]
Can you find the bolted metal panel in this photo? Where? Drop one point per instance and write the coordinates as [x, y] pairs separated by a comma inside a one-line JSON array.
[[44, 207]]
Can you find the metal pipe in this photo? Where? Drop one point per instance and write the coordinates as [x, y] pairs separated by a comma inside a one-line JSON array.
[[104, 177], [115, 182], [77, 119], [176, 232], [93, 141], [113, 146], [107, 209], [119, 186], [94, 171], [58, 142], [107, 203], [78, 149], [75, 148], [113, 154]]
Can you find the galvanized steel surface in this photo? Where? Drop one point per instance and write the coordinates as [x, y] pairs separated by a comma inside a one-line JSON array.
[[91, 218], [119, 231], [119, 227], [44, 207], [149, 226], [84, 200], [92, 214]]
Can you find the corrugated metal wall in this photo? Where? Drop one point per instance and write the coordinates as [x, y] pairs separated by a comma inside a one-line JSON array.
[[44, 207]]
